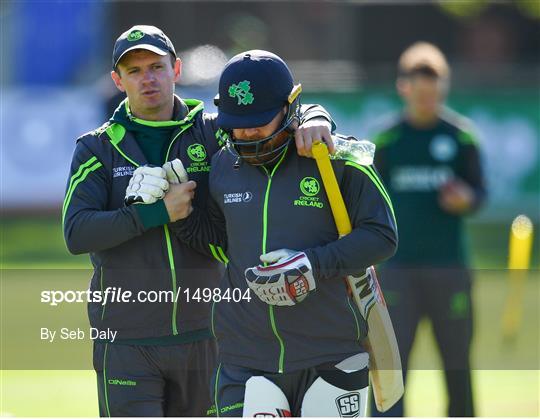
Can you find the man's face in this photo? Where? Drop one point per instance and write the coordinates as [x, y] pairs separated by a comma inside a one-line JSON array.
[[252, 134], [423, 94], [148, 80]]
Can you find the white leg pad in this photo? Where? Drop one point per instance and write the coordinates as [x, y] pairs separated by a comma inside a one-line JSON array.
[[325, 399], [264, 399]]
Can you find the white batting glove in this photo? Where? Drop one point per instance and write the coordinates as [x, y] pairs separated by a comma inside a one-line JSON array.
[[175, 171], [286, 282], [146, 186]]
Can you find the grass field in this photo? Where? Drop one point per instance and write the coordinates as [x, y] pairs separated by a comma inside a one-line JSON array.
[[506, 379]]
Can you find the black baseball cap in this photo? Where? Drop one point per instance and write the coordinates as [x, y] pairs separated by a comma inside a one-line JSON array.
[[253, 88], [142, 37]]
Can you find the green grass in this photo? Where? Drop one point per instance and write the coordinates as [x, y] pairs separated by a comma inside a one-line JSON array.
[[49, 393], [38, 241]]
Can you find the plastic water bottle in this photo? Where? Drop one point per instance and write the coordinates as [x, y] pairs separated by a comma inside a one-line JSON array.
[[361, 152]]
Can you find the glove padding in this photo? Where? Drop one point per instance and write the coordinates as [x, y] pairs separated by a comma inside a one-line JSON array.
[[175, 171], [286, 282], [146, 186]]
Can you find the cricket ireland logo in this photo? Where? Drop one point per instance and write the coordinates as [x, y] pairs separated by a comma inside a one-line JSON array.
[[310, 187], [242, 93], [196, 152], [135, 35]]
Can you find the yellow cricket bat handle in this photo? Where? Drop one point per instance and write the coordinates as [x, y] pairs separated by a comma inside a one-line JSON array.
[[341, 217]]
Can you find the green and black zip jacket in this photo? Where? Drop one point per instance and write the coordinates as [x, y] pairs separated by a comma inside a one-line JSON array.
[[415, 163], [126, 253], [264, 209]]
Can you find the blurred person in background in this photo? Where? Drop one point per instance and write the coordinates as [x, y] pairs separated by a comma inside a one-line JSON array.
[[118, 206], [429, 159]]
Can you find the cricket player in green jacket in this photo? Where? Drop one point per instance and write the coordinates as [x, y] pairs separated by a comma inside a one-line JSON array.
[[429, 159], [118, 206], [292, 346]]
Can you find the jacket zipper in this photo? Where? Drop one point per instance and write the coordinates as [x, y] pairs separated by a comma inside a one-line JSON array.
[[265, 230], [115, 141], [169, 245]]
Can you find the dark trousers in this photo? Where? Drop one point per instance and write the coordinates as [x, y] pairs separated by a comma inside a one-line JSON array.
[[444, 296], [169, 380]]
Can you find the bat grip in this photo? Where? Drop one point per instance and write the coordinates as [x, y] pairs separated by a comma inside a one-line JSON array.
[[337, 204]]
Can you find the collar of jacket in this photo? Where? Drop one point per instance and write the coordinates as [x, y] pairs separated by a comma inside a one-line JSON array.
[[184, 113], [116, 131]]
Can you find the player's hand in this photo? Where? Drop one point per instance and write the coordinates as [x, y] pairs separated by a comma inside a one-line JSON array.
[[178, 200], [456, 197], [286, 281], [310, 132], [146, 186], [175, 171]]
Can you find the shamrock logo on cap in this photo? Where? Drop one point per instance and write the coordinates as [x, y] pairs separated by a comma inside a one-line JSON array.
[[135, 35], [241, 92]]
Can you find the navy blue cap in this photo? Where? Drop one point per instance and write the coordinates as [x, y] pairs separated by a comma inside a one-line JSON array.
[[253, 88], [142, 37]]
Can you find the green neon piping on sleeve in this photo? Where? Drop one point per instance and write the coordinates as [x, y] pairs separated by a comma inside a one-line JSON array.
[[105, 380], [83, 177], [355, 319], [173, 277], [214, 253], [216, 390], [378, 180], [379, 186], [265, 227], [83, 166], [383, 189], [223, 255]]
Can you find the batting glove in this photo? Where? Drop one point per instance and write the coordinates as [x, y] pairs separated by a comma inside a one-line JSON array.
[[175, 171], [286, 281], [146, 186]]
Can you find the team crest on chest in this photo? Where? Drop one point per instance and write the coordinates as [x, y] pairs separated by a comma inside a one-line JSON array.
[[310, 188], [443, 148], [197, 155]]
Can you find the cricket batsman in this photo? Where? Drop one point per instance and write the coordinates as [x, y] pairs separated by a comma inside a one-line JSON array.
[[292, 347], [429, 158], [122, 195]]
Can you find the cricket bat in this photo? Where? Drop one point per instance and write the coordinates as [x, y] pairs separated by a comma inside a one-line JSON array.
[[385, 363], [519, 258]]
